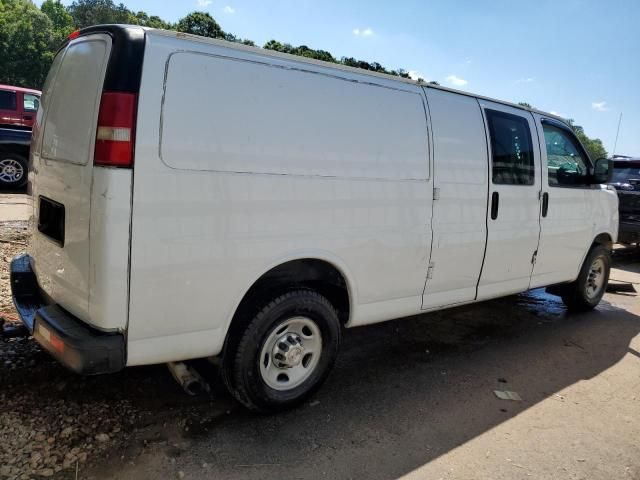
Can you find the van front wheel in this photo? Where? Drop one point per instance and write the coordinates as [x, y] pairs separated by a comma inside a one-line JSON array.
[[587, 291], [285, 352]]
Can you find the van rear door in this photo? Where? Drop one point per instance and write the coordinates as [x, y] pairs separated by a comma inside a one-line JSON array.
[[63, 171]]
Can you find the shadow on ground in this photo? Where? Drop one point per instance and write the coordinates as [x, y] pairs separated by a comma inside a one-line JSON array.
[[402, 394]]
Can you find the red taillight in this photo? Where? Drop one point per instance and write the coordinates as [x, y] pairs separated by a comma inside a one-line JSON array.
[[114, 135]]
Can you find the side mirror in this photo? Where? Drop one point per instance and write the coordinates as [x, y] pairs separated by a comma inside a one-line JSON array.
[[602, 171]]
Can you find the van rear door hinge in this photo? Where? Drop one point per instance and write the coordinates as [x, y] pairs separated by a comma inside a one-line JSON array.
[[533, 257], [430, 270], [436, 193]]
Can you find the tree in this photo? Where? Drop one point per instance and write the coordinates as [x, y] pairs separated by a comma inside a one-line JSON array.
[[94, 12], [153, 21], [594, 146], [200, 23], [61, 20], [25, 43]]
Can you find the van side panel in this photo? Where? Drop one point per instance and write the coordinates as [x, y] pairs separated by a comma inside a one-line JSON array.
[[244, 115], [459, 215], [200, 238]]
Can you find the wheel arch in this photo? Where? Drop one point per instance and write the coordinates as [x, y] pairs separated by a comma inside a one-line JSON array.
[[15, 148], [322, 273], [604, 239]]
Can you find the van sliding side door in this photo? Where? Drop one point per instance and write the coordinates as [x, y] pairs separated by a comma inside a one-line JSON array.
[[513, 217]]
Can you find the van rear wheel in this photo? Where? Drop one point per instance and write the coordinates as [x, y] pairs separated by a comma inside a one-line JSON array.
[[587, 291], [285, 352]]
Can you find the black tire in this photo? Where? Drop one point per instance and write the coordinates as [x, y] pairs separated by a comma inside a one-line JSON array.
[[575, 295], [12, 162], [241, 362]]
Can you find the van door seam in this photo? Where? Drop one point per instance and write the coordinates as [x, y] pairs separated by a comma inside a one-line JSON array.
[[432, 171], [486, 213]]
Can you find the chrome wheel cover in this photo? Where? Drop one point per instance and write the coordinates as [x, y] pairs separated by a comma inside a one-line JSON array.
[[291, 353], [11, 170], [595, 279]]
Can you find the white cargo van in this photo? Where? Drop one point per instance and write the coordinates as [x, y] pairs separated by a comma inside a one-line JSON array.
[[198, 198]]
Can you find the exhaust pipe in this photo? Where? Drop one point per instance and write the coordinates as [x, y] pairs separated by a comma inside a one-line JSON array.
[[190, 380]]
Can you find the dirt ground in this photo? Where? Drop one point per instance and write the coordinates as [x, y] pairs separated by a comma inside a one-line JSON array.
[[412, 398]]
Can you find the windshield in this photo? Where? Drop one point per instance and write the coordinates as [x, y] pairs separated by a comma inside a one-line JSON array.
[[623, 173]]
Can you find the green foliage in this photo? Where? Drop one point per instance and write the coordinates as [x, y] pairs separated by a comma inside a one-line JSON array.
[[26, 36], [323, 55], [302, 51], [594, 146], [94, 12], [153, 21], [230, 37], [60, 18], [200, 23]]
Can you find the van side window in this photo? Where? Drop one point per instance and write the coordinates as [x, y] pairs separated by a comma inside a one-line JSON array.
[[566, 163], [8, 100], [511, 148]]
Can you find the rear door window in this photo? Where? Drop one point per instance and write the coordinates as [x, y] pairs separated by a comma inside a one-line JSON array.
[[73, 101], [8, 100], [511, 148]]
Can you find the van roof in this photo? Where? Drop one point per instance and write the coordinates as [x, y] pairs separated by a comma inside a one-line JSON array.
[[273, 53], [20, 89]]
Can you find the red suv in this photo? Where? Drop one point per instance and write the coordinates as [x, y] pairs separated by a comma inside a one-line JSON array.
[[18, 106]]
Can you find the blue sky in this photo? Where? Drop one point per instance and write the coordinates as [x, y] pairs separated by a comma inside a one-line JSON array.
[[577, 58]]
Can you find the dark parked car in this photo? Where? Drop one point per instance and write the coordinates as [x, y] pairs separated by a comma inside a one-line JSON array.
[[626, 180], [14, 152]]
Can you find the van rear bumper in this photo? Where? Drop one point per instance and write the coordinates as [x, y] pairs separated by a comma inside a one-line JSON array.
[[72, 342]]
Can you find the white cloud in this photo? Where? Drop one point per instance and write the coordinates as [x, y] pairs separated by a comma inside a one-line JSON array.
[[204, 3], [553, 112], [599, 106], [363, 32], [455, 80], [526, 80], [415, 75], [229, 10]]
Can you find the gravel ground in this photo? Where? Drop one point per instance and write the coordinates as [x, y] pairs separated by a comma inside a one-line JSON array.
[[56, 424], [413, 397], [46, 424]]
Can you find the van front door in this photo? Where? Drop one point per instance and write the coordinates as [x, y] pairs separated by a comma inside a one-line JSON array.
[[566, 217], [513, 217]]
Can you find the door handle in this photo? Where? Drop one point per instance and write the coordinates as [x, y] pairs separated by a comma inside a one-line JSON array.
[[495, 203], [545, 203]]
